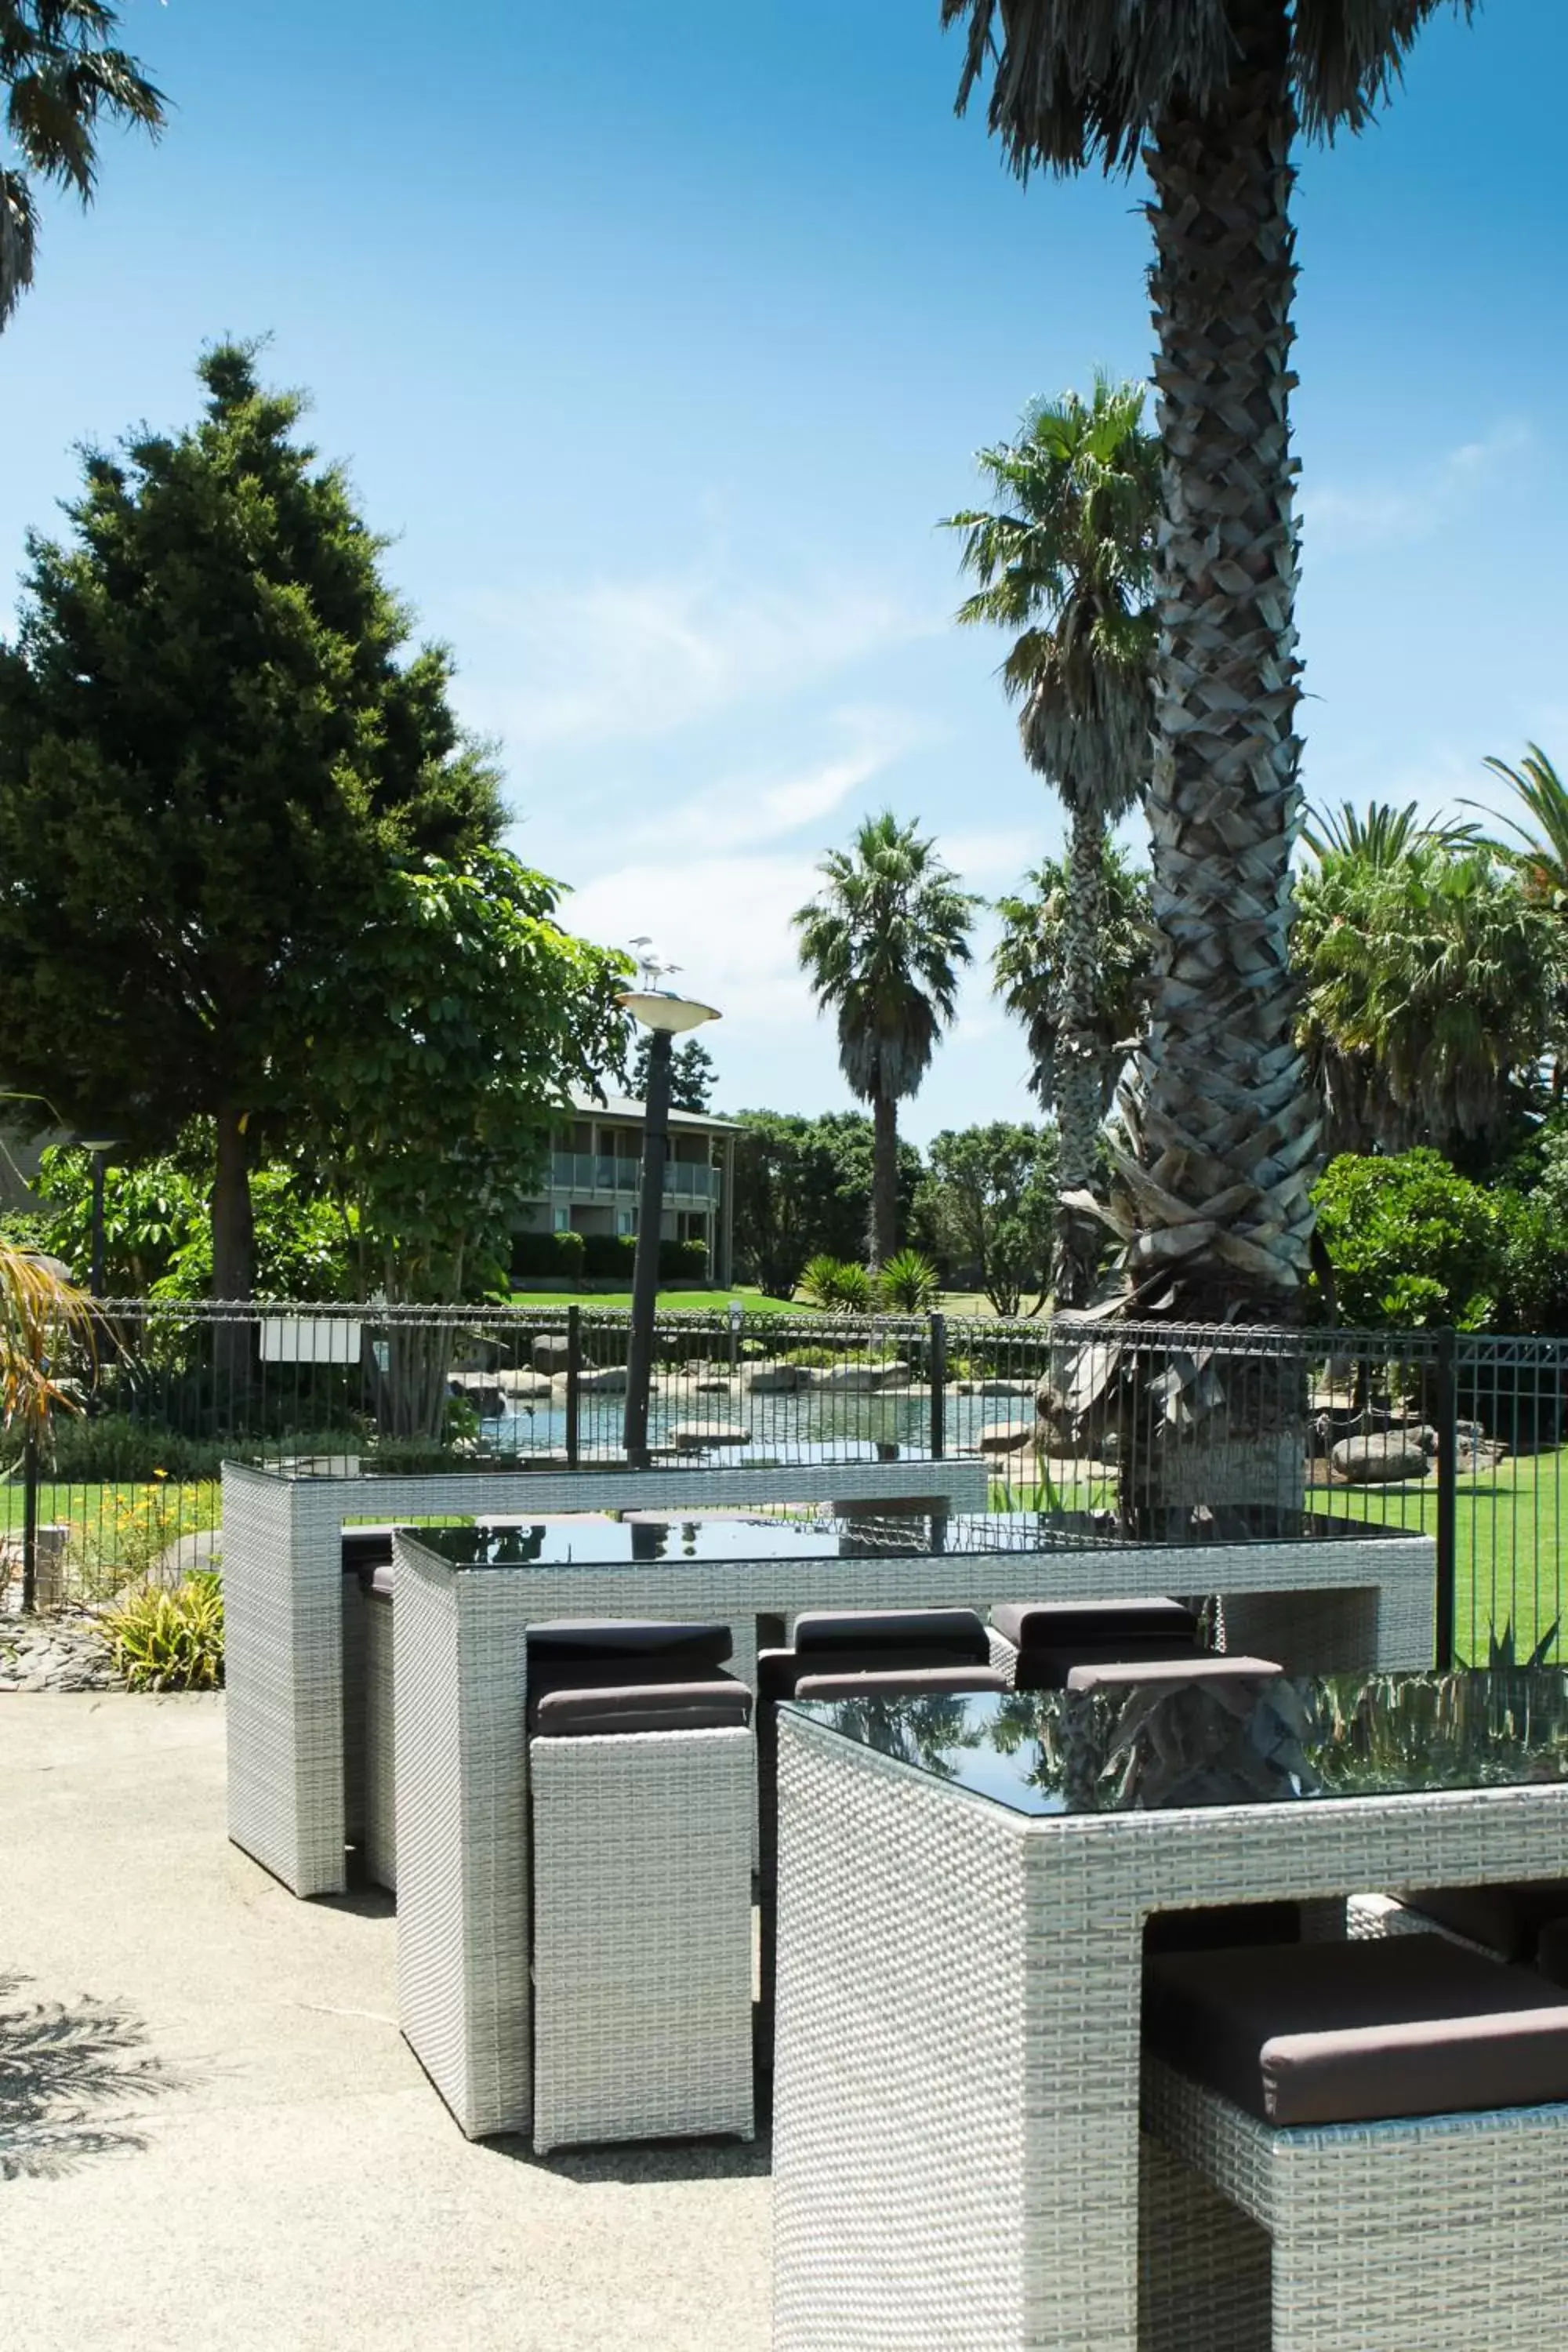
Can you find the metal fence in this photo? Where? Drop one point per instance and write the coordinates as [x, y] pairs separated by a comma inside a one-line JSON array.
[[1130, 1432]]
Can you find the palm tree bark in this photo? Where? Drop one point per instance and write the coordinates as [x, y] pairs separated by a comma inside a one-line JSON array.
[[1078, 1060], [1223, 1124], [884, 1237]]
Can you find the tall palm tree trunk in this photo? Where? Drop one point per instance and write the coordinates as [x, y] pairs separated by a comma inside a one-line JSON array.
[[884, 1235], [1076, 1238], [1224, 1123]]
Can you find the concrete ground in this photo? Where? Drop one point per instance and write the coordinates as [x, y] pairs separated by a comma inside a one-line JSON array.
[[211, 2132]]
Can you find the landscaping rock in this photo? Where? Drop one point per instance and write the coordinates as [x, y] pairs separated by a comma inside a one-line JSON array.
[[603, 1380], [858, 1377], [696, 1436], [481, 1391], [1380, 1461], [1001, 1388], [66, 1652], [1006, 1436], [525, 1385], [777, 1380], [549, 1354], [719, 1384]]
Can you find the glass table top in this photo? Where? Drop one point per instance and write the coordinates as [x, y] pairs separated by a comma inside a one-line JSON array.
[[1263, 1739]]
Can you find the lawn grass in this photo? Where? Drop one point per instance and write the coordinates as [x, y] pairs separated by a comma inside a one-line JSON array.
[[707, 1302]]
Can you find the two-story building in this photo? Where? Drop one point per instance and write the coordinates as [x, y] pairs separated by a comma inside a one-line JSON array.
[[595, 1171]]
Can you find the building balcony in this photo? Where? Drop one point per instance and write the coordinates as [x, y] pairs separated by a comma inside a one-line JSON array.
[[580, 1172]]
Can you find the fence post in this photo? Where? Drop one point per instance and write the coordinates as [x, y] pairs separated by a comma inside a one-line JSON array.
[[1447, 1416], [29, 1520], [573, 1376], [938, 1387]]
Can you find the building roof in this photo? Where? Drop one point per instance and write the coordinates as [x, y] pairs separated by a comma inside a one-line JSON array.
[[623, 1107]]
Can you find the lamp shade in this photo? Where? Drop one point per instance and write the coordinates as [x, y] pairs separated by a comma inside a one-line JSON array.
[[656, 1009]]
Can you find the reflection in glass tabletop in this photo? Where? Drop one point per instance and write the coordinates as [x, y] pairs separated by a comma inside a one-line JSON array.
[[1259, 1741]]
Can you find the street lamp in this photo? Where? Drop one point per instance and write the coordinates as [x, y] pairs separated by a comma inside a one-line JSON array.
[[99, 1146], [665, 1016]]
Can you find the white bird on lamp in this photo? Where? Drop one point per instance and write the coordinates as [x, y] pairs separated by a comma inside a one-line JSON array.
[[650, 963]]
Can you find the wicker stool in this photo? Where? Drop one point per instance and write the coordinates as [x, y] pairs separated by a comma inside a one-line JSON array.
[[640, 1764], [1352, 2149]]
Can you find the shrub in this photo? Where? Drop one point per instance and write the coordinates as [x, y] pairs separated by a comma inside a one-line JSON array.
[[910, 1282], [838, 1285], [1412, 1242], [171, 1641], [685, 1263], [533, 1254]]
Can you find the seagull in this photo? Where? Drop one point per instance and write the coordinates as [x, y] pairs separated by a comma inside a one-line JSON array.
[[650, 963]]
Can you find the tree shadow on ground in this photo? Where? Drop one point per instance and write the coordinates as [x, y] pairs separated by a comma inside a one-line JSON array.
[[72, 2076]]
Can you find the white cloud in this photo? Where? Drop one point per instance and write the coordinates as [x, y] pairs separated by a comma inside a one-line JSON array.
[[728, 918], [637, 659], [1391, 513], [999, 859], [749, 809]]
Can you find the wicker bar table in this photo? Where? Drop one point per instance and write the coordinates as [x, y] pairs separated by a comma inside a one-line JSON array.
[[282, 1527], [461, 1621], [960, 1913]]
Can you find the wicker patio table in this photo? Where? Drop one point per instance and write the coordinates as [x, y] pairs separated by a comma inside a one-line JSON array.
[[960, 1913], [461, 1620], [282, 1526]]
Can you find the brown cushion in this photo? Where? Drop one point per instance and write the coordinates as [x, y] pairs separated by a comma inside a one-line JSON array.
[[914, 1682], [1049, 1668], [1551, 1952], [366, 1548], [1324, 2033], [1057, 1624], [1172, 1674], [629, 1637], [953, 1634], [1227, 1925], [719, 1704], [1506, 1919]]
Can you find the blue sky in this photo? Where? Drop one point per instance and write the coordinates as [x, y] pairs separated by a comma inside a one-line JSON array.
[[662, 336]]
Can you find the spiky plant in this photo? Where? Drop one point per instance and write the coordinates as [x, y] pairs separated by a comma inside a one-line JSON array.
[[1065, 557], [1216, 1213], [881, 945], [1540, 849], [63, 76]]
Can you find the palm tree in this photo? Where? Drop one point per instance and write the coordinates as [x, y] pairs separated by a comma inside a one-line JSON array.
[[881, 945], [1066, 556], [1432, 980], [1223, 1133], [62, 75], [1542, 854], [1027, 962]]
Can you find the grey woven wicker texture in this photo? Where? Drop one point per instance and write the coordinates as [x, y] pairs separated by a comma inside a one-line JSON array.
[[1202, 2266], [642, 1937], [1444, 2234], [356, 1605], [378, 1744], [957, 2046]]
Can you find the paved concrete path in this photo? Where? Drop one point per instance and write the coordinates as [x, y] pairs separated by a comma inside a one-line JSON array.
[[212, 2134]]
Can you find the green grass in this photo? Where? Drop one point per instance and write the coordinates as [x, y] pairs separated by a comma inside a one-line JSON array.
[[707, 1302]]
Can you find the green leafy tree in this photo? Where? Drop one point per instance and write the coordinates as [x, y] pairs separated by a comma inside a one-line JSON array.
[[63, 78], [1027, 966], [213, 740], [1411, 1241], [802, 1189], [1215, 1203], [692, 1074], [881, 945], [990, 1197], [1432, 983], [1066, 558]]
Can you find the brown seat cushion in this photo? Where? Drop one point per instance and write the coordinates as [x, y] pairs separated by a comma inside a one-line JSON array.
[[1506, 1919], [1325, 2034], [364, 1549], [1551, 1952], [718, 1704], [598, 1638], [780, 1673], [1068, 1625], [1172, 1674], [913, 1681], [949, 1635], [1227, 1925]]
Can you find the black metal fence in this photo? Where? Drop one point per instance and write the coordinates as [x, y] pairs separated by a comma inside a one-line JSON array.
[[1132, 1432]]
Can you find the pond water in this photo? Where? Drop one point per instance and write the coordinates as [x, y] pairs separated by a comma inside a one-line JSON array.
[[810, 1425]]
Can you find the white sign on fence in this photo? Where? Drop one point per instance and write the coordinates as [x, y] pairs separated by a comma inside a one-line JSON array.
[[310, 1339]]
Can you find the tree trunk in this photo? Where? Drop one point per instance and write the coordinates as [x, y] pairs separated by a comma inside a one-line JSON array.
[[234, 1235], [884, 1180], [1224, 1123], [1078, 1239]]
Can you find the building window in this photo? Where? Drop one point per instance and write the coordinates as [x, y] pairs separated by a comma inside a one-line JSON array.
[[626, 1221], [563, 1219]]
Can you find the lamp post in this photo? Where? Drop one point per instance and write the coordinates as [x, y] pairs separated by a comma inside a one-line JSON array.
[[99, 1147], [665, 1016]]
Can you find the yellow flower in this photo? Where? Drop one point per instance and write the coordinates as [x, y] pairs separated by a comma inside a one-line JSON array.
[[159, 1474]]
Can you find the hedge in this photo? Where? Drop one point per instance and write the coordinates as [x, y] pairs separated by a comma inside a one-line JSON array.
[[547, 1254]]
